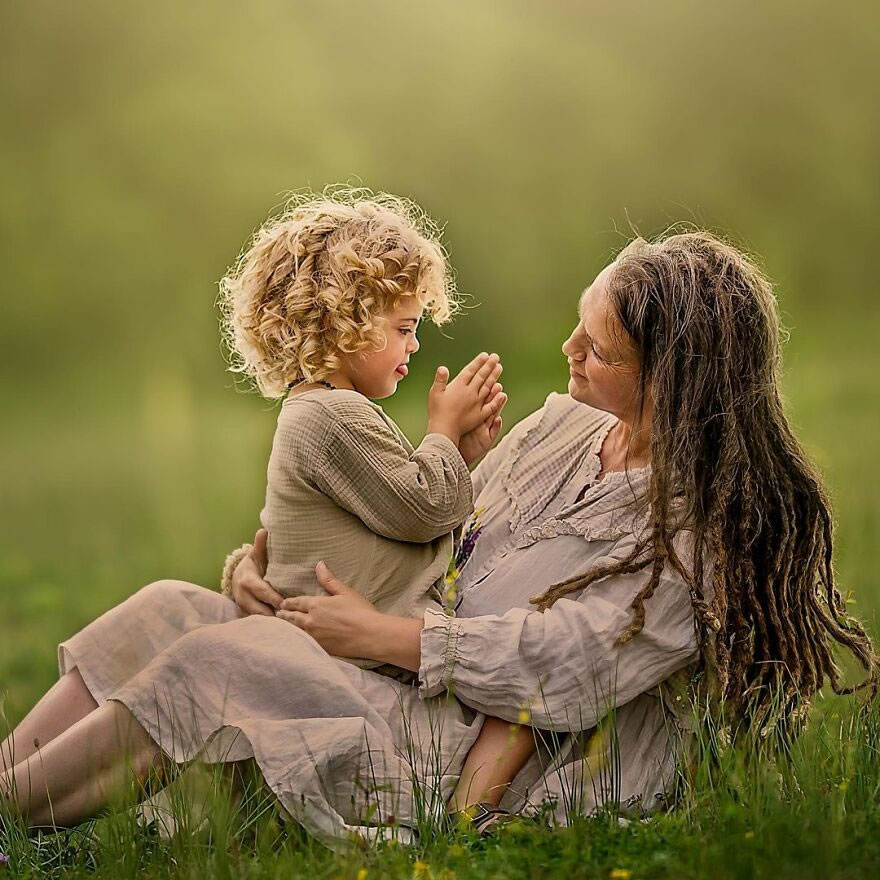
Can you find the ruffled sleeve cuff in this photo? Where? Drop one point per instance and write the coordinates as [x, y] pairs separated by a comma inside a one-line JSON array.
[[439, 652]]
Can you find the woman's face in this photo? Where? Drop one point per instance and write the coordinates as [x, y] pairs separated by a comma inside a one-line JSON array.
[[602, 359]]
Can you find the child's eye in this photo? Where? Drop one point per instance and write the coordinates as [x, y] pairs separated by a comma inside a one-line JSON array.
[[405, 330]]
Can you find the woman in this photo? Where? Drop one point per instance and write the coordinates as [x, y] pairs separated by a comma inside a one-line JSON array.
[[663, 512]]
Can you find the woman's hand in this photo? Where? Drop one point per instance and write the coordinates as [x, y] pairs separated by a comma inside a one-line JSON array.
[[340, 623], [346, 624], [250, 592]]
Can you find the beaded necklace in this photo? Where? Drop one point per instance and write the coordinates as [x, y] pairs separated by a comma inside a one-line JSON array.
[[293, 385]]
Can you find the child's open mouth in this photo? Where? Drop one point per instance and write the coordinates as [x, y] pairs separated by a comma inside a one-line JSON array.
[[402, 370]]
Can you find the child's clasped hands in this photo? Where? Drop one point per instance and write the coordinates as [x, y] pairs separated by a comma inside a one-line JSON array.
[[467, 409]]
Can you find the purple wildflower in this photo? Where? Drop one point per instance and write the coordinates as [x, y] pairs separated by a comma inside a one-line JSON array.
[[468, 540], [4, 859]]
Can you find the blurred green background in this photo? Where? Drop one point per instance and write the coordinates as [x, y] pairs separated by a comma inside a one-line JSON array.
[[142, 143]]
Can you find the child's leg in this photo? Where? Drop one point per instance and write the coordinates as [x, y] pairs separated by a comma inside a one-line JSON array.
[[65, 703], [495, 758]]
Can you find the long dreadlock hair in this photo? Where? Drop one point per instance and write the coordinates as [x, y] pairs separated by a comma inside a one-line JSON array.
[[727, 467]]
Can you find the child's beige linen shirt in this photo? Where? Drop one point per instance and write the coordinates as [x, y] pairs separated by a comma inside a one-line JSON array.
[[347, 487]]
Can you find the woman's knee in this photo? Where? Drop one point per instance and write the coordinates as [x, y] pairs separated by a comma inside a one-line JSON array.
[[235, 643], [166, 590], [168, 594]]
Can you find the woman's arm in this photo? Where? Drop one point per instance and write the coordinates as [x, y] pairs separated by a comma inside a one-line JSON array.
[[399, 641], [346, 624], [349, 627], [564, 666]]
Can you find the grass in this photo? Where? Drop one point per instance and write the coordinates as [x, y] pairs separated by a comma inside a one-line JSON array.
[[816, 818], [147, 142], [166, 483]]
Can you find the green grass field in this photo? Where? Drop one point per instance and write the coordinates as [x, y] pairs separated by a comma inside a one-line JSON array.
[[144, 144]]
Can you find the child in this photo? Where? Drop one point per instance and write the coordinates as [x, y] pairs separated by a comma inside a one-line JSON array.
[[323, 310]]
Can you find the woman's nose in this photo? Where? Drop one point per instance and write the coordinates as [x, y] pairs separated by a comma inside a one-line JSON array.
[[569, 348]]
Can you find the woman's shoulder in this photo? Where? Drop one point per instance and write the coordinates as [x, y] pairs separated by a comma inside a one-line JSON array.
[[557, 411], [564, 409], [535, 459], [558, 428]]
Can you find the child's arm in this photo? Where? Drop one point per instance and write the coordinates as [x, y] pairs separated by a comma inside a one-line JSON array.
[[362, 465]]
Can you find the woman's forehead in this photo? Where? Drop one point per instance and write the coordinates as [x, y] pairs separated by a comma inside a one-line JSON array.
[[594, 312]]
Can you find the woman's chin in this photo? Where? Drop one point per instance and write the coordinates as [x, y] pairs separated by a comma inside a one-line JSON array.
[[577, 391]]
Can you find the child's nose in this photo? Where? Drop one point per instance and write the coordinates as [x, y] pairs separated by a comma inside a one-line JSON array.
[[414, 344]]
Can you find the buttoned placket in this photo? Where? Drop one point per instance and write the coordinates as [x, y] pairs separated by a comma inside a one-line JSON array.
[[491, 564], [583, 480]]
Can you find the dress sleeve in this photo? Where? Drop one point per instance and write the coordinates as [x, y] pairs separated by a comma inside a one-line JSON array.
[[561, 665], [416, 497]]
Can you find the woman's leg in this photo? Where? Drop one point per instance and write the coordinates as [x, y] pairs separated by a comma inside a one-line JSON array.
[[118, 645], [65, 703], [82, 770]]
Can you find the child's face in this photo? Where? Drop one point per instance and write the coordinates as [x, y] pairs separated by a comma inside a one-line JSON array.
[[376, 373]]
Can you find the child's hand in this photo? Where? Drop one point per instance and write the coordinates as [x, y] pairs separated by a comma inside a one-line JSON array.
[[478, 441], [459, 406], [250, 592]]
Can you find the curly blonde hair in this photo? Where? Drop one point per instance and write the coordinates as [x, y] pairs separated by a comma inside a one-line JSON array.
[[314, 282]]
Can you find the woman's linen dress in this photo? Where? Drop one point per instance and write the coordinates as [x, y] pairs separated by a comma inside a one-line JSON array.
[[343, 747]]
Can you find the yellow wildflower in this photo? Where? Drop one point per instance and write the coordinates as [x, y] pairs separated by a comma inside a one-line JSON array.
[[749, 835], [620, 874], [362, 874], [452, 575], [595, 752], [421, 869], [525, 716]]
